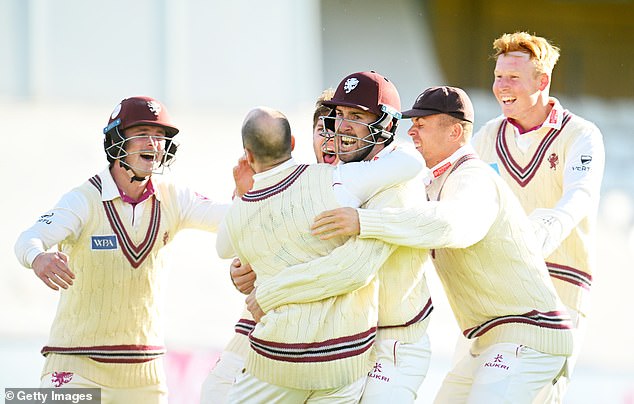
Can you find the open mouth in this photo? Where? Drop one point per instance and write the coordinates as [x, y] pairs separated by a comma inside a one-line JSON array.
[[507, 100], [329, 156], [147, 156], [348, 140]]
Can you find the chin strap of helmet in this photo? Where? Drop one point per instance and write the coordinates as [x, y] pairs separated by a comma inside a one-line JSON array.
[[133, 176], [114, 139]]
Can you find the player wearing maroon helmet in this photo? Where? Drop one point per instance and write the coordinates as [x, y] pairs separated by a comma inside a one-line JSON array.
[[362, 126], [486, 256], [110, 232]]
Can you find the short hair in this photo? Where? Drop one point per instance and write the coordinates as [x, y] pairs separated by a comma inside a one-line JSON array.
[[543, 53], [467, 127], [267, 134], [320, 108]]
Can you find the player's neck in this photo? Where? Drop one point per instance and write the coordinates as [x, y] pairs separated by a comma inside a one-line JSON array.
[[122, 177]]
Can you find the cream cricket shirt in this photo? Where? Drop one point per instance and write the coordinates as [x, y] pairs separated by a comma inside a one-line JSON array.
[[555, 170], [485, 253]]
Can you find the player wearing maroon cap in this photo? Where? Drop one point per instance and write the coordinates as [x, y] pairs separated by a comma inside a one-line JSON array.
[[363, 125], [110, 232], [486, 256]]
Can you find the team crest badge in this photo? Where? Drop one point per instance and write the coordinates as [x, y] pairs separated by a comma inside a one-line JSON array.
[[155, 107], [553, 159], [350, 84], [60, 378]]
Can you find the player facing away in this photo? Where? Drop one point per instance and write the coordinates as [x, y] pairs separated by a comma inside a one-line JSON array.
[[553, 161], [318, 350], [486, 256], [217, 383], [110, 233]]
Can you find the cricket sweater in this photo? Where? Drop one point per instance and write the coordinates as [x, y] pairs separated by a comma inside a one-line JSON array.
[[555, 170]]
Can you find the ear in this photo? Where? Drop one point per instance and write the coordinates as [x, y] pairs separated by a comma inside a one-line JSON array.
[[292, 142], [544, 81], [457, 133], [249, 156]]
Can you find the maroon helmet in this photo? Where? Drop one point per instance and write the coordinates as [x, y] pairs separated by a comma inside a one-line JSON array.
[[135, 111], [368, 91]]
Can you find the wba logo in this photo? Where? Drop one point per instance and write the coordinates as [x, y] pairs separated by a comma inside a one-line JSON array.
[[103, 242]]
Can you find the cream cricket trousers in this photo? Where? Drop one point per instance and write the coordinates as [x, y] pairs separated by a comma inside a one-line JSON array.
[[216, 386], [153, 394], [554, 393], [503, 373], [399, 371], [250, 390]]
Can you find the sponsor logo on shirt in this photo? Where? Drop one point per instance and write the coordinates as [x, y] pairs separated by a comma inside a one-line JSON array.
[[585, 163], [46, 219], [553, 116], [103, 242], [495, 167]]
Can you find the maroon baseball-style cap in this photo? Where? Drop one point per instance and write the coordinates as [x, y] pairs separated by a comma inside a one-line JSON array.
[[141, 110], [442, 100], [367, 91]]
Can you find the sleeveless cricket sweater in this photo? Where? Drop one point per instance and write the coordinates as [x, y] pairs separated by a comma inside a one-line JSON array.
[[536, 178], [405, 303], [311, 346], [519, 303], [108, 324], [498, 288]]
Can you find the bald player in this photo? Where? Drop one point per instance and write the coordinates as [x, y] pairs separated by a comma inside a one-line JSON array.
[[364, 131], [293, 357], [553, 161], [217, 383], [484, 251]]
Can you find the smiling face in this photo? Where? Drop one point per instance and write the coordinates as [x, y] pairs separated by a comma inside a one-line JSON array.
[[145, 148], [433, 137], [323, 147], [353, 134], [521, 91]]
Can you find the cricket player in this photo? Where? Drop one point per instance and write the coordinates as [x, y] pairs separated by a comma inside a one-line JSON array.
[[231, 361], [317, 351], [403, 347], [553, 160], [486, 256], [110, 234]]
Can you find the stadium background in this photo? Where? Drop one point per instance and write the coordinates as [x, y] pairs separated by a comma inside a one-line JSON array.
[[66, 63]]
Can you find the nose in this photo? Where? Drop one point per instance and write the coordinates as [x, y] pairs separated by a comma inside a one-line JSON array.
[[155, 141], [411, 132], [343, 126]]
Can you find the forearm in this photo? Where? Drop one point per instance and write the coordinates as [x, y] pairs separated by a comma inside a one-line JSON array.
[[431, 225], [346, 269]]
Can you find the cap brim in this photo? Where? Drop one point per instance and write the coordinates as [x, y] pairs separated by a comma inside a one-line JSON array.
[[169, 130], [413, 113], [344, 104]]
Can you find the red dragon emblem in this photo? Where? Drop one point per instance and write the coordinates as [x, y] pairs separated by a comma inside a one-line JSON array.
[[60, 378], [553, 159]]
